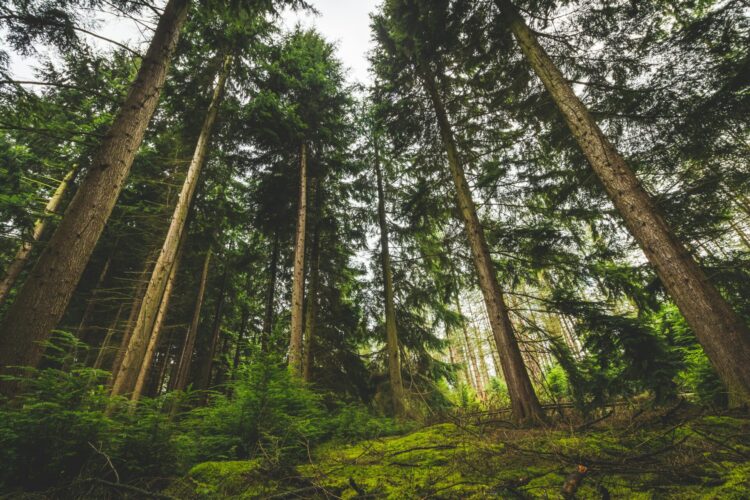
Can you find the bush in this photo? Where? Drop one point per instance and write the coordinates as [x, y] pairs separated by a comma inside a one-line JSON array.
[[58, 431], [351, 422], [49, 435], [268, 413]]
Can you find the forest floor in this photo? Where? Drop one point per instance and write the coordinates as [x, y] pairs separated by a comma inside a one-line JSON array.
[[680, 453]]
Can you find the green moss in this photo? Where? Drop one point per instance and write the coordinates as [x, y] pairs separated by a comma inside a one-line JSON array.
[[736, 483], [445, 461], [239, 479]]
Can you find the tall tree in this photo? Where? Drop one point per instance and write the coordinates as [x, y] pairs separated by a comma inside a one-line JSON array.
[[723, 335], [180, 380], [47, 291], [24, 252], [144, 326], [409, 32], [391, 331], [298, 274]]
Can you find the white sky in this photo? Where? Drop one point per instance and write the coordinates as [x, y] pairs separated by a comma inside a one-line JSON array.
[[346, 23], [343, 22]]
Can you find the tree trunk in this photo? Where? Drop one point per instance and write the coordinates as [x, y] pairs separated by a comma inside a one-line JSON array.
[[138, 292], [523, 399], [161, 359], [186, 358], [40, 226], [470, 354], [270, 295], [91, 302], [240, 339], [311, 315], [47, 291], [153, 341], [720, 331], [164, 365], [203, 379], [459, 355], [144, 326], [298, 277], [391, 331], [108, 339]]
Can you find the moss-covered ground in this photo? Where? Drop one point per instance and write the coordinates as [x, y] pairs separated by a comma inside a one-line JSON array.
[[642, 456]]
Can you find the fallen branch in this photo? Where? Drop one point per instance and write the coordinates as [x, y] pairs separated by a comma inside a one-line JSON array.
[[418, 448], [128, 487]]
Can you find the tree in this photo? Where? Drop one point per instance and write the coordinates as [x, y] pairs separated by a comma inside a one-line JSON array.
[[408, 32], [723, 335], [47, 291], [391, 332], [144, 326]]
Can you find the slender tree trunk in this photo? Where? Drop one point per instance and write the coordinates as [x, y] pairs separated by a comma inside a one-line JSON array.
[[165, 365], [470, 354], [298, 278], [240, 340], [186, 358], [459, 355], [138, 292], [155, 337], [40, 226], [523, 399], [108, 338], [270, 295], [144, 326], [47, 291], [91, 302], [203, 378], [391, 330], [311, 314], [720, 331], [160, 367]]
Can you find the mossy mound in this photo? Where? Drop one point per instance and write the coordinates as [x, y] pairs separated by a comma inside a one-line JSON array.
[[694, 458]]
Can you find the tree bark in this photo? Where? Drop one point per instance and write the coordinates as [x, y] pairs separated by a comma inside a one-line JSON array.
[[153, 341], [108, 339], [40, 226], [91, 302], [138, 292], [270, 295], [47, 291], [240, 340], [186, 358], [298, 277], [203, 379], [724, 337], [391, 330], [459, 355], [470, 354], [144, 326], [524, 402], [311, 314]]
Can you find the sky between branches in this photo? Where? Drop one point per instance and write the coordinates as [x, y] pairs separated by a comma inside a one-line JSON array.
[[343, 22]]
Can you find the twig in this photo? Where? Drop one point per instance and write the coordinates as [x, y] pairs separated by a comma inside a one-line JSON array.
[[128, 487], [418, 448], [106, 457]]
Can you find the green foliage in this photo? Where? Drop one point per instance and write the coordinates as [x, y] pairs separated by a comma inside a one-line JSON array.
[[267, 412], [696, 376], [556, 383], [498, 393], [354, 422], [700, 458], [59, 431]]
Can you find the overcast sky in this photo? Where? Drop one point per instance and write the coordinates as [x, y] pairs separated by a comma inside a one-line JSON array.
[[347, 23], [344, 22]]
